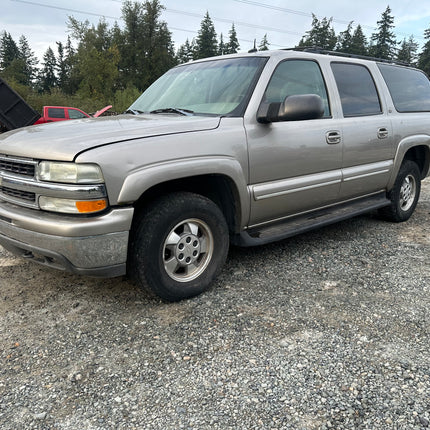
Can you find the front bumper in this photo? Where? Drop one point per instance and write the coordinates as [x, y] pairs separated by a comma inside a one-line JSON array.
[[95, 246]]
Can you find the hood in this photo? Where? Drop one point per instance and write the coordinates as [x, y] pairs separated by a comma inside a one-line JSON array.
[[99, 112], [63, 140]]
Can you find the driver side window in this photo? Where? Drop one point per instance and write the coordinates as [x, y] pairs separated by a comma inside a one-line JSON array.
[[296, 77]]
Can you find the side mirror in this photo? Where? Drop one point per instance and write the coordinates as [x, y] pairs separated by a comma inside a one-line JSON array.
[[293, 108]]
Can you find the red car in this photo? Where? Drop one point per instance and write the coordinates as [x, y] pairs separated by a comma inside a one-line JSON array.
[[63, 113]]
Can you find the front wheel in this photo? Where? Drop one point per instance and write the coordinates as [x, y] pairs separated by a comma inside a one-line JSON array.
[[179, 246], [405, 193]]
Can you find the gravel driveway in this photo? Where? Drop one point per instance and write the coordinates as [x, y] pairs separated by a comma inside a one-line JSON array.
[[330, 329]]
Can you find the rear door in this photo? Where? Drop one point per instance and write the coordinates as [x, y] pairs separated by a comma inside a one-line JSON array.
[[367, 131], [56, 114]]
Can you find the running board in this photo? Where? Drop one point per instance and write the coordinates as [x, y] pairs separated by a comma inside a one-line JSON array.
[[309, 221]]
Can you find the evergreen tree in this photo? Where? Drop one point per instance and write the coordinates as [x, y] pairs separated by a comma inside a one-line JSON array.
[[28, 60], [222, 47], [408, 51], [47, 77], [62, 69], [384, 41], [206, 42], [321, 35], [358, 45], [147, 51], [71, 84], [158, 45], [264, 44], [8, 50], [424, 57], [17, 62], [185, 52], [344, 39], [233, 44]]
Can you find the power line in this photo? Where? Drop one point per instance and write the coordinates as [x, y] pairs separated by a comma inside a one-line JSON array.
[[310, 15], [295, 12], [228, 21], [107, 16], [64, 9]]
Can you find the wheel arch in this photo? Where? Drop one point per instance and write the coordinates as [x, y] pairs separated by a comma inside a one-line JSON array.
[[220, 179], [413, 148], [218, 188]]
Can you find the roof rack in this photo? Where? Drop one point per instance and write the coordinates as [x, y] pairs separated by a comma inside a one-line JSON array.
[[319, 50]]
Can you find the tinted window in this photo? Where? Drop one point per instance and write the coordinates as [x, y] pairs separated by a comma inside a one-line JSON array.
[[56, 113], [74, 114], [357, 90], [295, 77], [409, 88]]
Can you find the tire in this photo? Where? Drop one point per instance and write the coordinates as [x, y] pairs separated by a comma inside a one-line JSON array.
[[178, 246], [405, 193]]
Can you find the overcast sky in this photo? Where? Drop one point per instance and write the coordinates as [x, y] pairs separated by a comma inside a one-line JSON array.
[[44, 22]]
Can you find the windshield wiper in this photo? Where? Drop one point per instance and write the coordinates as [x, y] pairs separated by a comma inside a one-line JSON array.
[[134, 111], [180, 111]]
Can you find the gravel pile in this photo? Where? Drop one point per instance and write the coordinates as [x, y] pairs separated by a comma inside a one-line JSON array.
[[327, 330]]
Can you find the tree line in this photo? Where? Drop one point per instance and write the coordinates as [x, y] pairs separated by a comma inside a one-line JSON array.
[[105, 64]]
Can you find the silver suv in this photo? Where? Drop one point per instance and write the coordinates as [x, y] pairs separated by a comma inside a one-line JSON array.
[[247, 149]]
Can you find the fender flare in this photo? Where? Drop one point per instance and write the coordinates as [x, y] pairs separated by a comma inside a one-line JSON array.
[[141, 180], [402, 148]]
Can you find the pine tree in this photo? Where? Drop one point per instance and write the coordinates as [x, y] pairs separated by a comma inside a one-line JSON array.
[[358, 45], [147, 51], [8, 50], [232, 46], [222, 47], [206, 42], [61, 66], [28, 60], [408, 51], [71, 84], [264, 44], [321, 35], [185, 52], [157, 42], [344, 39], [384, 41], [47, 77], [424, 57]]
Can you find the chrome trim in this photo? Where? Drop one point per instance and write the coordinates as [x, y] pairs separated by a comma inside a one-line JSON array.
[[19, 160], [288, 186], [50, 189], [367, 170]]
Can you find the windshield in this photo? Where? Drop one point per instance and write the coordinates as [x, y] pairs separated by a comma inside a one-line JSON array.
[[219, 87]]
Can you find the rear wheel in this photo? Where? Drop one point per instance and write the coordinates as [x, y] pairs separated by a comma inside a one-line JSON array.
[[178, 246], [405, 193]]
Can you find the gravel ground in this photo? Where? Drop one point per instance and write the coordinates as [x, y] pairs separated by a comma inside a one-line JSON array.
[[329, 329]]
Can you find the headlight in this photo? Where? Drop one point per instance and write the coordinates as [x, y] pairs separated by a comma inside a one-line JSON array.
[[55, 204], [69, 173]]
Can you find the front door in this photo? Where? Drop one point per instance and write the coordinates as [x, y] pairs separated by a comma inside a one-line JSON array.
[[295, 166]]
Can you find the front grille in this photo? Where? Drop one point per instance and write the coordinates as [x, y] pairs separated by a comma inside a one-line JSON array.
[[18, 194], [17, 167]]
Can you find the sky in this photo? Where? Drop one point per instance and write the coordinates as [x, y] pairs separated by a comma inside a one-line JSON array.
[[44, 22]]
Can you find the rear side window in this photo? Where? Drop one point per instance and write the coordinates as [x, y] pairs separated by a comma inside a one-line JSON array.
[[409, 88], [357, 90], [297, 77], [56, 113]]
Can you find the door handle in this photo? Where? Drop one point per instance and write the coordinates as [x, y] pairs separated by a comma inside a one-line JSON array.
[[333, 137], [382, 133]]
